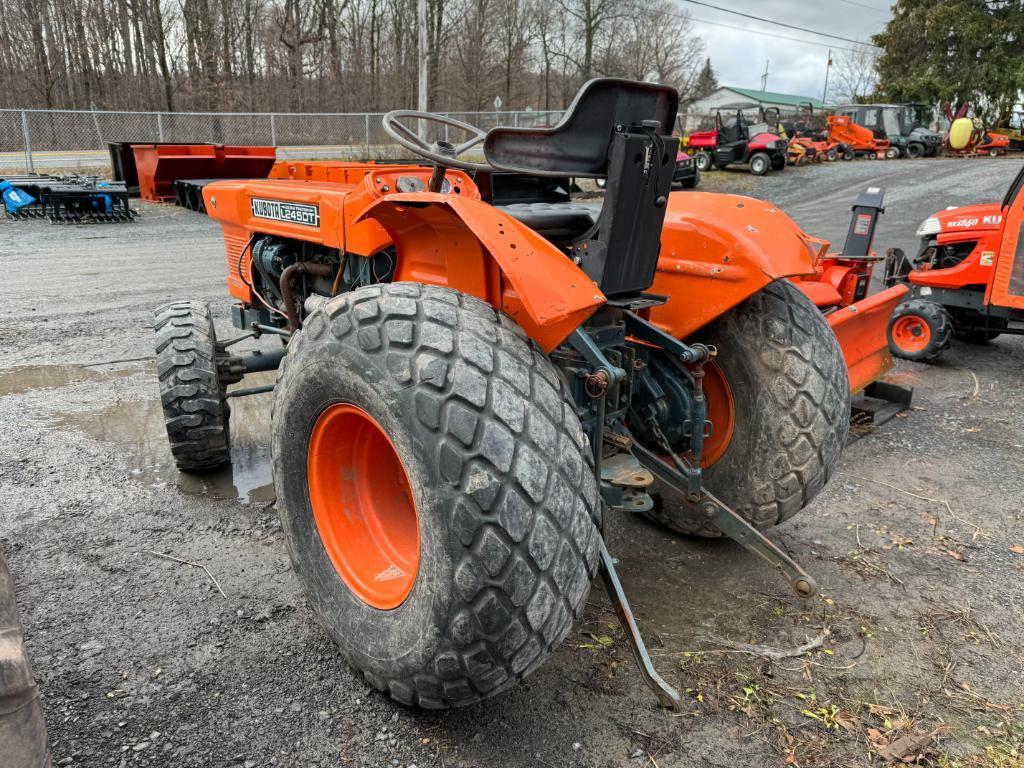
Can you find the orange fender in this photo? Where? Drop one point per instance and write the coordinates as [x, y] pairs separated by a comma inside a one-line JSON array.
[[468, 245], [861, 331], [717, 250]]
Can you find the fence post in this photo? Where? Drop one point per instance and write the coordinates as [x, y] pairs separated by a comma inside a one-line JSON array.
[[367, 136], [96, 122], [160, 127], [273, 130], [28, 143], [515, 119]]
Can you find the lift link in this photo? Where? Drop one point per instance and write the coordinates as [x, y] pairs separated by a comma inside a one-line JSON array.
[[668, 696], [730, 523]]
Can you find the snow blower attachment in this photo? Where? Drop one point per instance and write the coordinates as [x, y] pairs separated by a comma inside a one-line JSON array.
[[66, 199], [470, 390]]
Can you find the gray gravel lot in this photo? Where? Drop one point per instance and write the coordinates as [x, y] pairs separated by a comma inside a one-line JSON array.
[[142, 661]]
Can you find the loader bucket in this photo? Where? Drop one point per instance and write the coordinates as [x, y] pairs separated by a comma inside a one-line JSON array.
[[861, 331], [158, 165], [234, 162]]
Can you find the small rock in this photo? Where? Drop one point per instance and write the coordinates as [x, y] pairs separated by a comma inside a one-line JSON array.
[[576, 746], [295, 707]]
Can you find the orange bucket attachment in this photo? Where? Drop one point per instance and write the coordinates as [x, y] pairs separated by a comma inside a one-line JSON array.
[[160, 165], [861, 331]]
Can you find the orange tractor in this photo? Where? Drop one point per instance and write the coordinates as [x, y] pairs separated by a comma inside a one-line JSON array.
[[858, 140], [966, 281], [468, 390]]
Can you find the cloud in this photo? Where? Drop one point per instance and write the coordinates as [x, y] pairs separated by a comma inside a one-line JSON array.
[[793, 67]]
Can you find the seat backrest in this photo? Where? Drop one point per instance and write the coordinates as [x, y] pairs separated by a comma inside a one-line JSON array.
[[579, 145]]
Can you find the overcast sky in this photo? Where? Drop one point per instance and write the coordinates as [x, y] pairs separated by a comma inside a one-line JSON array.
[[738, 56]]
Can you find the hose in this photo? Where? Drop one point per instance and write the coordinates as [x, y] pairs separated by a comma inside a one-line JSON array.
[[288, 296]]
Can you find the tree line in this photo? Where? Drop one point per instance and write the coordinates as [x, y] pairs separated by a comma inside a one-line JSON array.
[[335, 55]]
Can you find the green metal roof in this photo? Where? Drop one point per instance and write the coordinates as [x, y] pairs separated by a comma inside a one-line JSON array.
[[776, 98]]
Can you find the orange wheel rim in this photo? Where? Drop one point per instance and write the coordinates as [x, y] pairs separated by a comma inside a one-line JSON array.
[[721, 414], [363, 506], [911, 333]]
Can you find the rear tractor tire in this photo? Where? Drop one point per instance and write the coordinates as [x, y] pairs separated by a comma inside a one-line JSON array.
[[436, 490], [196, 410], [760, 164], [779, 403], [919, 330]]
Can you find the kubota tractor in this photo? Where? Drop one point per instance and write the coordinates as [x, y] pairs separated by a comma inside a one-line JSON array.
[[469, 390], [732, 142], [859, 141], [966, 281]]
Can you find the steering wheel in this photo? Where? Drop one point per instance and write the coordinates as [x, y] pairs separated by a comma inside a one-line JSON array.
[[442, 153]]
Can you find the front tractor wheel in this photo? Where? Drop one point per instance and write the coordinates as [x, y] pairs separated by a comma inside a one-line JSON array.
[[778, 398], [760, 164], [919, 330], [194, 401], [892, 153], [436, 491], [703, 162]]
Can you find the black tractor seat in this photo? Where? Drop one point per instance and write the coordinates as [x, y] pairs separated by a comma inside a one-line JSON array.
[[555, 221]]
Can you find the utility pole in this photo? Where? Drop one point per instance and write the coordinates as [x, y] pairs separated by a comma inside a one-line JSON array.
[[824, 94], [764, 77], [424, 60], [421, 28]]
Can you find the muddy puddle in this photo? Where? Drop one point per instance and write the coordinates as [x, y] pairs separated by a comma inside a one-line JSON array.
[[26, 378], [136, 429]]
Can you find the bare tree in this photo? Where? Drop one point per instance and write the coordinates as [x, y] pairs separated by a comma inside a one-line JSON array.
[[854, 75]]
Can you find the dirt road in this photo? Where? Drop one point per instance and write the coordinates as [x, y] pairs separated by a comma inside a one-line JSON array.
[[145, 660]]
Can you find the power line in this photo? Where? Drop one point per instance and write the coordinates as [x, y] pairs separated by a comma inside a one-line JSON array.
[[779, 23], [773, 34], [864, 5]]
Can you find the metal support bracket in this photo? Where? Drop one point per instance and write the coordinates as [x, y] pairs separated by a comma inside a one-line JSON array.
[[731, 523], [668, 696]]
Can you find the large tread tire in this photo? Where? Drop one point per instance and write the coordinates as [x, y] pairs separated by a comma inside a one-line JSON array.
[[791, 393], [940, 328], [501, 474], [196, 410], [22, 728]]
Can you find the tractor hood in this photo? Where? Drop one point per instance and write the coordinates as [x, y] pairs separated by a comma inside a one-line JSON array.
[[967, 218]]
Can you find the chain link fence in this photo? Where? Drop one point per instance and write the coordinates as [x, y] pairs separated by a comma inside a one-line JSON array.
[[39, 140]]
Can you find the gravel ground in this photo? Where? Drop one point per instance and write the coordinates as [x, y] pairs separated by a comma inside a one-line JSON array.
[[144, 660]]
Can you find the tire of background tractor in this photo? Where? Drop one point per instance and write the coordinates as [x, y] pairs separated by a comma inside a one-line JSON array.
[[787, 415], [849, 155], [196, 411], [891, 153], [436, 490], [832, 155], [22, 729], [703, 161], [919, 330], [760, 164], [778, 162], [994, 153], [914, 151]]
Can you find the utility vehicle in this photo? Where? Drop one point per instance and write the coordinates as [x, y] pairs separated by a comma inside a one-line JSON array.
[[966, 281], [468, 390], [734, 141], [905, 126]]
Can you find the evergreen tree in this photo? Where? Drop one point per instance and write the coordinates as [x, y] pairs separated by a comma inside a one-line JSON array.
[[956, 51], [706, 83]]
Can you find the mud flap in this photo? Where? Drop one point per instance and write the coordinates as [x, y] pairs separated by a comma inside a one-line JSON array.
[[861, 331]]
